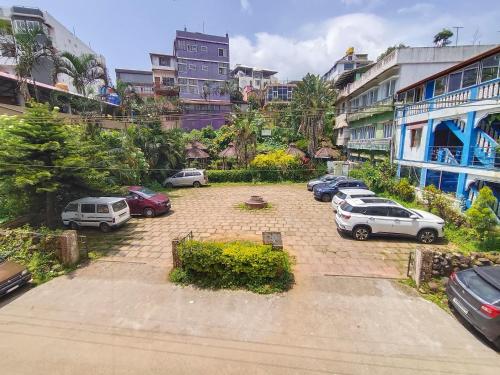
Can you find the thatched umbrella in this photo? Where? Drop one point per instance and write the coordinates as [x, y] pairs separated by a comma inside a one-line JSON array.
[[196, 154], [228, 152], [196, 144], [295, 151], [327, 153]]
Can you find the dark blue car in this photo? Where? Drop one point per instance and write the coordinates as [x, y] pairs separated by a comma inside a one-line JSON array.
[[325, 192]]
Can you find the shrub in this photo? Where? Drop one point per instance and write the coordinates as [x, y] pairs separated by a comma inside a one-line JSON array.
[[234, 265], [404, 190], [230, 175], [277, 166], [480, 215]]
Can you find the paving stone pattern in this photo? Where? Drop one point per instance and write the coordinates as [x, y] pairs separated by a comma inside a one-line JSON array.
[[307, 226]]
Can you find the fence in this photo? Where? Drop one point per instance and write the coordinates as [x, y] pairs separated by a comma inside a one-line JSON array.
[[176, 261]]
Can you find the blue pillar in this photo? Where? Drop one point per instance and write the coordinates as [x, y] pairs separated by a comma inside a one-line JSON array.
[[402, 141], [467, 151], [423, 177], [429, 140], [462, 178]]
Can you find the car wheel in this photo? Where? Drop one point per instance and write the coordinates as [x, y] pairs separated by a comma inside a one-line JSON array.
[[104, 227], [361, 233], [427, 236], [74, 225], [326, 198], [169, 185], [149, 212], [196, 184]]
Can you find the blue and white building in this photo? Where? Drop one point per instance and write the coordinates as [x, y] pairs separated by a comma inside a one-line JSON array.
[[449, 128]]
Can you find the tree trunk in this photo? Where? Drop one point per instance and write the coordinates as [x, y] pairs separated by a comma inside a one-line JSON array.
[[50, 210]]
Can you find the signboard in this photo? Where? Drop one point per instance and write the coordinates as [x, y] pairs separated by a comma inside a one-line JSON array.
[[266, 132]]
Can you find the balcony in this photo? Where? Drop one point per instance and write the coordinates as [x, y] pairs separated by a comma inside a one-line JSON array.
[[482, 91], [372, 144], [479, 157], [384, 105], [166, 90]]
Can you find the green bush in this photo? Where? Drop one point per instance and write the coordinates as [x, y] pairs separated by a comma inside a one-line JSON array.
[[438, 203], [403, 189], [248, 265], [480, 215], [230, 175]]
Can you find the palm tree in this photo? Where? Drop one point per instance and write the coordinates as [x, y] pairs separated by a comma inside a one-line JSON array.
[[246, 126], [313, 98], [84, 70]]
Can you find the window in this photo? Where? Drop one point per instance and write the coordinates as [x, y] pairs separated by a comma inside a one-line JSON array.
[[440, 86], [388, 130], [257, 82], [454, 81], [469, 77], [376, 211], [410, 96], [88, 208], [222, 52], [120, 205], [182, 67], [181, 44], [415, 137], [348, 66], [203, 48], [178, 175], [72, 207], [387, 89], [102, 209], [192, 48], [192, 67], [163, 61], [223, 68], [479, 286], [399, 212], [204, 68], [490, 68]]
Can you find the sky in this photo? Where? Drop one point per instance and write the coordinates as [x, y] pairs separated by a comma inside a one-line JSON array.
[[293, 37]]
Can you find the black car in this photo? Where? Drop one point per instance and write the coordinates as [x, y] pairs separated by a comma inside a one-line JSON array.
[[326, 178], [475, 294], [326, 191]]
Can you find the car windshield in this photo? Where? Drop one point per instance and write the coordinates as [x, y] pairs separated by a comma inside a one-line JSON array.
[[120, 205], [415, 213], [479, 286], [341, 195], [147, 192]]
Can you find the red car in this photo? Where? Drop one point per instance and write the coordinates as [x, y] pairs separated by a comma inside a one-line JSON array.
[[143, 201]]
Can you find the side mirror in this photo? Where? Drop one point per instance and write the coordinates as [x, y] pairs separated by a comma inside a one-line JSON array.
[[414, 217]]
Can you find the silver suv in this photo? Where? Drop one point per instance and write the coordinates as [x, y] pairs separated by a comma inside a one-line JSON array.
[[187, 177], [363, 217]]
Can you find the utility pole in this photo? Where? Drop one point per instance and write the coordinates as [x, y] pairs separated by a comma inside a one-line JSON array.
[[457, 28]]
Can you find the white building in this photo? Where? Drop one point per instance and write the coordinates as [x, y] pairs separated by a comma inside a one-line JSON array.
[[63, 40], [256, 78], [349, 62]]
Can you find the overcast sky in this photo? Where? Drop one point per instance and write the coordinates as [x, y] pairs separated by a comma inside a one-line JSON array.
[[291, 36]]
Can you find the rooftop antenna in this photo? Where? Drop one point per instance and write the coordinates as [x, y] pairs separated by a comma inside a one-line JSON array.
[[457, 28], [203, 27]]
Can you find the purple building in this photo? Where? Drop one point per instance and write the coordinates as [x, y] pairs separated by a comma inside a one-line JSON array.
[[202, 70]]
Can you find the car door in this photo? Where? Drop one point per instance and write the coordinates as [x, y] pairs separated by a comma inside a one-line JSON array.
[[189, 178], [401, 221], [177, 179], [339, 185], [87, 214], [133, 202], [377, 219], [71, 213]]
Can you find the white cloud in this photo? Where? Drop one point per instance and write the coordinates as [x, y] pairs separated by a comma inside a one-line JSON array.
[[418, 8], [245, 6]]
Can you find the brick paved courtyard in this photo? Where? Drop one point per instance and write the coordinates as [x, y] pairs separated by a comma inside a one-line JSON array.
[[307, 226]]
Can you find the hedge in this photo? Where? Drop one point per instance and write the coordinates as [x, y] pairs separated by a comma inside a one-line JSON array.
[[238, 264], [255, 175]]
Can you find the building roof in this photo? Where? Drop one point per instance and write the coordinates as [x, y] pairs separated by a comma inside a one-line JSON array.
[[98, 200], [295, 151], [160, 54], [327, 153], [201, 36], [228, 152], [133, 71], [241, 67], [196, 153], [196, 144], [346, 76], [454, 67]]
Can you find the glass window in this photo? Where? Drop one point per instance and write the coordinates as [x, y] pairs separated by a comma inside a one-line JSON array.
[[182, 67], [469, 77], [399, 212], [410, 96], [177, 175], [88, 208], [479, 286], [164, 61], [181, 44], [455, 81], [192, 67], [415, 137], [120, 205], [222, 52], [204, 68], [490, 67], [203, 48], [192, 48], [102, 209], [72, 207], [376, 211], [440, 86]]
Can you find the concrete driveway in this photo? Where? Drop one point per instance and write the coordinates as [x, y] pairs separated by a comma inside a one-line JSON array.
[[119, 315]]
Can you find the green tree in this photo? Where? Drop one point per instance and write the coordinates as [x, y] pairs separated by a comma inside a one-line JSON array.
[[442, 38], [246, 127], [312, 100], [390, 49], [480, 215], [41, 156], [84, 70]]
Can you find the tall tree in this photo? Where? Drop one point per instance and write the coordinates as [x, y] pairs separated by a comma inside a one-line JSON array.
[[84, 70], [312, 101], [246, 127], [442, 38]]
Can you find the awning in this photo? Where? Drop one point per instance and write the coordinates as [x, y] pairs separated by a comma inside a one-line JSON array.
[[416, 125]]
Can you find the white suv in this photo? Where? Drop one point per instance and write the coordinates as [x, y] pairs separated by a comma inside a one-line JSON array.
[[363, 217], [344, 194], [187, 177]]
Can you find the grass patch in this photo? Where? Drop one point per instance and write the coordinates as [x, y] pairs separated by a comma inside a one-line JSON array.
[[234, 265], [243, 207], [433, 291]]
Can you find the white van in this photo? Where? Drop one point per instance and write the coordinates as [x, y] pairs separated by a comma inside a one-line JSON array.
[[102, 212]]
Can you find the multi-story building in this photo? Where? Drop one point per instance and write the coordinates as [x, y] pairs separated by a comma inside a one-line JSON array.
[[141, 81], [365, 105], [279, 92], [255, 78], [202, 71], [449, 128], [62, 39], [164, 68], [349, 62]]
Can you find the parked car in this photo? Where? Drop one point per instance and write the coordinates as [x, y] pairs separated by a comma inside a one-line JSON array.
[[187, 177], [344, 194], [12, 276], [143, 201], [325, 178], [104, 213], [474, 293], [326, 191], [363, 217]]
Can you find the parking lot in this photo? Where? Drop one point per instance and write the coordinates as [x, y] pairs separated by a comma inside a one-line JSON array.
[[307, 227]]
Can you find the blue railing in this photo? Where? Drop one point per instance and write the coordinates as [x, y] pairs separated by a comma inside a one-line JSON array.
[[487, 157], [485, 90]]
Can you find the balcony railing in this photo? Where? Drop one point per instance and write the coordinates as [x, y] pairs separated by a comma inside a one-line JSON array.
[[374, 144], [479, 157], [384, 105], [485, 90]]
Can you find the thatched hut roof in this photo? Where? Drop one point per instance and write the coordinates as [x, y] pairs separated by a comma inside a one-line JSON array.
[[295, 151], [196, 144], [327, 153], [228, 152], [196, 153]]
